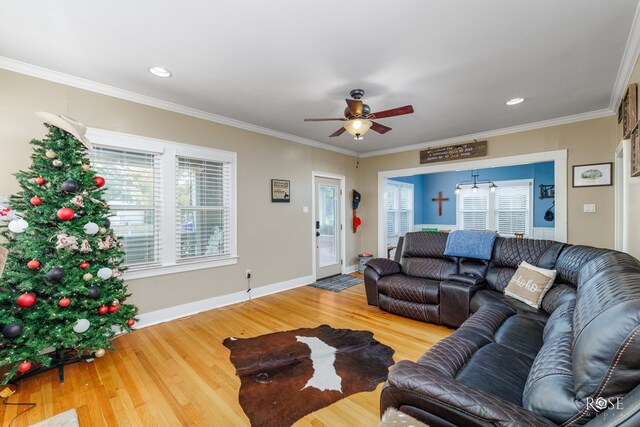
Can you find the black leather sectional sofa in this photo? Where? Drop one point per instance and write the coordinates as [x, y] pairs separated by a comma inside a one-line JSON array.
[[574, 361]]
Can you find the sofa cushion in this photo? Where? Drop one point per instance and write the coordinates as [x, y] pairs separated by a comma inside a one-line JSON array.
[[414, 310], [488, 297], [423, 256], [521, 333], [606, 339], [529, 284], [560, 322], [558, 295], [497, 370], [549, 389], [412, 289], [509, 252], [571, 259]]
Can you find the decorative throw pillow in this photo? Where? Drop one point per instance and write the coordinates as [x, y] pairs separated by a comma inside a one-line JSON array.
[[529, 284]]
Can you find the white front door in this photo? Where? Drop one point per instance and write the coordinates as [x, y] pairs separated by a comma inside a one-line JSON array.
[[327, 228]]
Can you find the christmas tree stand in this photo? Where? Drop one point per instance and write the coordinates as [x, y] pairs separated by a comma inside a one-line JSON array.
[[61, 359]]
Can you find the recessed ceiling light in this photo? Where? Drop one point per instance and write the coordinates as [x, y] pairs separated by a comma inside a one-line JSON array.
[[514, 101], [160, 72]]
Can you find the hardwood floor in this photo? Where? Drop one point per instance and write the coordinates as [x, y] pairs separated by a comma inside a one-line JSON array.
[[178, 373]]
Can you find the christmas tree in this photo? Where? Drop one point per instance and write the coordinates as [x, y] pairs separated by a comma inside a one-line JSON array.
[[61, 288]]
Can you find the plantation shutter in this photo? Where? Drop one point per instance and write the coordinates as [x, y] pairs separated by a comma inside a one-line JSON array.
[[399, 208], [406, 209], [473, 211], [203, 202], [513, 209], [133, 192]]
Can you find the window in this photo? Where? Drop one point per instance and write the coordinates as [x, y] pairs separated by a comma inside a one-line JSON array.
[[173, 204], [508, 210], [399, 207]]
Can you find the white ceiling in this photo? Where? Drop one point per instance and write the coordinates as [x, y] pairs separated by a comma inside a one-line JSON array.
[[273, 63]]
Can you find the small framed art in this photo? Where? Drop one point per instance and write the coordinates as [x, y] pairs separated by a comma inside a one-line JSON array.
[[594, 175], [280, 191]]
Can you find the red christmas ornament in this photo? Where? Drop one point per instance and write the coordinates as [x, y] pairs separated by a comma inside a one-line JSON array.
[[114, 308], [103, 309], [84, 265], [64, 302], [41, 181], [33, 264], [35, 201], [26, 300], [131, 322], [65, 214], [24, 366], [99, 181]]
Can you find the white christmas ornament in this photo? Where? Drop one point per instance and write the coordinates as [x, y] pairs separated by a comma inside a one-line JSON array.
[[105, 273], [81, 326], [65, 241], [50, 154], [57, 163], [99, 352], [91, 228], [18, 225]]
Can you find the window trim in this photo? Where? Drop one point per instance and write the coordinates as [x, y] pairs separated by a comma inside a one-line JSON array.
[[397, 212], [169, 151], [492, 211]]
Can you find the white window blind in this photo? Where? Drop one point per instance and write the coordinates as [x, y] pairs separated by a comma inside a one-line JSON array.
[[135, 198], [513, 209], [174, 204], [399, 207], [202, 208], [473, 209], [507, 210]]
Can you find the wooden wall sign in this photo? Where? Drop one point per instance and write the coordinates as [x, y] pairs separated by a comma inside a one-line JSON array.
[[454, 152]]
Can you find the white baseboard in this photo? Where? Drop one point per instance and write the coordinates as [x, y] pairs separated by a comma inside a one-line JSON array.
[[189, 309], [351, 269]]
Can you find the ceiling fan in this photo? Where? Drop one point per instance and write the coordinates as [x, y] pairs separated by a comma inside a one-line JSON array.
[[358, 118]]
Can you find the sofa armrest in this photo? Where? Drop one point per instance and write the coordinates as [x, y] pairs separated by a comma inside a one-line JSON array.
[[384, 267], [414, 385], [468, 279]]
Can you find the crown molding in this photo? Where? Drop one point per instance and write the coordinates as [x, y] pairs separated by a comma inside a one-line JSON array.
[[80, 83], [493, 133], [628, 63]]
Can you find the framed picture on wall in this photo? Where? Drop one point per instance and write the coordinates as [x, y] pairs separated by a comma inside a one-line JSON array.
[[594, 175], [280, 191], [635, 153]]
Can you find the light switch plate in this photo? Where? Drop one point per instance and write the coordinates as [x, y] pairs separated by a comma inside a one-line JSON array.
[[589, 207], [305, 209]]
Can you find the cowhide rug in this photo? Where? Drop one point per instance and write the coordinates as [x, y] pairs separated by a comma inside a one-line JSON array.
[[287, 375]]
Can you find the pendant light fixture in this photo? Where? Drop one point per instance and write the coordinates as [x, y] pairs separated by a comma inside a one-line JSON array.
[[474, 181]]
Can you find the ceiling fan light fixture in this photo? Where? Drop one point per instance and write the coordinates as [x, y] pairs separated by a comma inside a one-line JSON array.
[[357, 127], [358, 137], [514, 101], [160, 72]]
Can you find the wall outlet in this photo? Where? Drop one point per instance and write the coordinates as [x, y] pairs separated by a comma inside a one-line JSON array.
[[247, 274], [589, 207]]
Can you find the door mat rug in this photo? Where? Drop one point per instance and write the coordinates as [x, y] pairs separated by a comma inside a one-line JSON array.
[[287, 375], [337, 283]]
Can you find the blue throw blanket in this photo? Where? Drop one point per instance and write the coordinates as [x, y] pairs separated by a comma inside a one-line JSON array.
[[470, 244]]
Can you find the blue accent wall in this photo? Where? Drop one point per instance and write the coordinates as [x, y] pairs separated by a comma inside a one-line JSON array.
[[427, 187]]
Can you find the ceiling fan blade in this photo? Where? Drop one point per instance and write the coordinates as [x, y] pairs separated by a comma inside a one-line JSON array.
[[380, 128], [337, 133], [324, 120], [355, 106], [407, 109]]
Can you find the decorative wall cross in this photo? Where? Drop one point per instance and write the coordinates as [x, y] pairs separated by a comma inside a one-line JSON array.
[[440, 199]]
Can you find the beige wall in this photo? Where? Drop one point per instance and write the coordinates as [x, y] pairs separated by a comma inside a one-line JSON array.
[[274, 239], [590, 141]]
